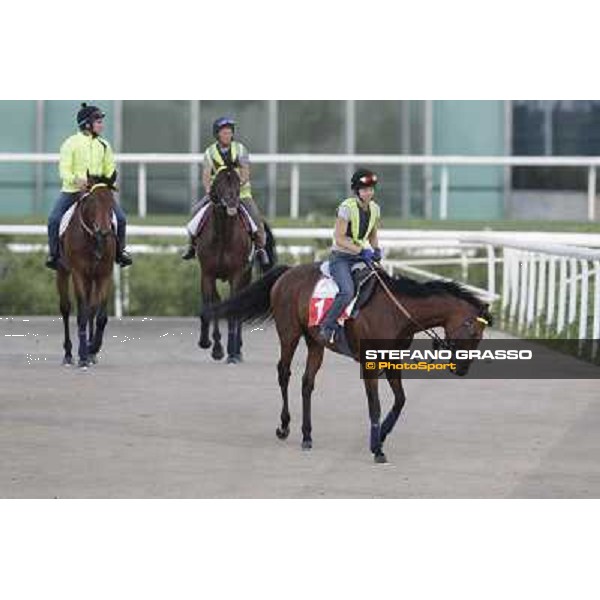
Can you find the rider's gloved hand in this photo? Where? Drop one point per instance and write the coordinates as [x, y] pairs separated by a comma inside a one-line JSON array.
[[367, 255], [377, 256]]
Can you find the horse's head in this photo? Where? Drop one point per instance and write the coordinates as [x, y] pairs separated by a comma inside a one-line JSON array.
[[225, 190], [464, 330], [97, 209]]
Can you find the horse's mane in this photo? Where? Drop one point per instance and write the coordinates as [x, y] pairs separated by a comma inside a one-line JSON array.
[[435, 287]]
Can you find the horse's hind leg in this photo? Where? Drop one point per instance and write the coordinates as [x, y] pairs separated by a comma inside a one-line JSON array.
[[394, 414], [371, 387], [288, 341], [62, 282], [313, 364]]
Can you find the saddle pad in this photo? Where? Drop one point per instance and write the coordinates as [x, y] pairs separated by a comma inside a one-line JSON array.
[[321, 300], [66, 219], [194, 223]]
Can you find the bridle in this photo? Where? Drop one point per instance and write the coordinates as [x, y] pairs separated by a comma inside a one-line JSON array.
[[222, 200], [94, 231]]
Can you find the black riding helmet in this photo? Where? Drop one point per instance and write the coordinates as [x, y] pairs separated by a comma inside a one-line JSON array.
[[87, 114], [363, 178], [223, 122]]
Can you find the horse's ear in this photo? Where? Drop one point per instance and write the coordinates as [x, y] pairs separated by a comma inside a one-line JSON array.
[[112, 179]]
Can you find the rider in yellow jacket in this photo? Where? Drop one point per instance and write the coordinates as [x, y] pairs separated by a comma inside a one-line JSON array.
[[81, 154]]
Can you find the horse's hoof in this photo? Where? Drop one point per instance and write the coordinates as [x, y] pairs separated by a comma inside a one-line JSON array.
[[83, 365], [380, 458], [204, 344], [234, 359], [67, 361], [281, 433], [218, 353], [93, 360], [306, 444]]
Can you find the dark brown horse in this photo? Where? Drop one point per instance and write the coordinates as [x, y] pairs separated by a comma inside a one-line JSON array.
[[225, 251], [284, 294], [88, 251]]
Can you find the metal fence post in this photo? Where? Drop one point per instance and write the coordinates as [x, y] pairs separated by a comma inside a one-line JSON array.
[[295, 191], [592, 193], [444, 193], [142, 199]]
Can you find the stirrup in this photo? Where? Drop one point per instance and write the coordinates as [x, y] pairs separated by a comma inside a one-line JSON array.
[[123, 259]]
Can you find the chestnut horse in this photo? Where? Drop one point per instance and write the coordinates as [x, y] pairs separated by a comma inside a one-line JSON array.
[[397, 310], [88, 251], [224, 251]]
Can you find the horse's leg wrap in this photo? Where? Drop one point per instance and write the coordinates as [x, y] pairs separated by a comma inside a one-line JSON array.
[[375, 438]]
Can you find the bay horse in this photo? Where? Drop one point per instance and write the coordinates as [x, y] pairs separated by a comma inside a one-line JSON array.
[[224, 251], [88, 250], [398, 309]]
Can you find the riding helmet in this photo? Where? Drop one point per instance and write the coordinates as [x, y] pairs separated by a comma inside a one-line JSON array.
[[87, 115], [223, 122], [363, 178]]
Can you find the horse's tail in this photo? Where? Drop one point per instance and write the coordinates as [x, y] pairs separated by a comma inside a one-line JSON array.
[[270, 245], [253, 303]]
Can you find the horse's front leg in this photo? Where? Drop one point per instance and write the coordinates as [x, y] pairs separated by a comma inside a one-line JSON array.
[[82, 323], [101, 321], [371, 387], [210, 296], [91, 318], [234, 335], [399, 399]]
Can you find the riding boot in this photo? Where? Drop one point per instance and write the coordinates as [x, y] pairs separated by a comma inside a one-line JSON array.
[[52, 262], [123, 259], [191, 249]]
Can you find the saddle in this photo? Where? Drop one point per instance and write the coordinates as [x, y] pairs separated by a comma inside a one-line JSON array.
[[197, 222], [326, 289]]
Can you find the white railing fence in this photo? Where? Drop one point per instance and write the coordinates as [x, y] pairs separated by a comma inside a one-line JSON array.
[[295, 161], [545, 288]]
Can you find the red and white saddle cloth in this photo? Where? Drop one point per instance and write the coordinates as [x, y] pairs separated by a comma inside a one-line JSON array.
[[322, 298]]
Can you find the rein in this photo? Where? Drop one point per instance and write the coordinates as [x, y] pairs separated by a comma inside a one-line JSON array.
[[427, 330]]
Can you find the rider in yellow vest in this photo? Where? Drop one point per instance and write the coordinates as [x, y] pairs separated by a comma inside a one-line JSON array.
[[81, 154], [355, 239], [226, 151]]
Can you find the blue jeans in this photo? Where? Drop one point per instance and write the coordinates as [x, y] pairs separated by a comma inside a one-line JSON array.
[[339, 266], [61, 206]]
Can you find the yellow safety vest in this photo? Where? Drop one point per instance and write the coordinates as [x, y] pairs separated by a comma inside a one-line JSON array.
[[354, 225], [81, 154], [218, 163]]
